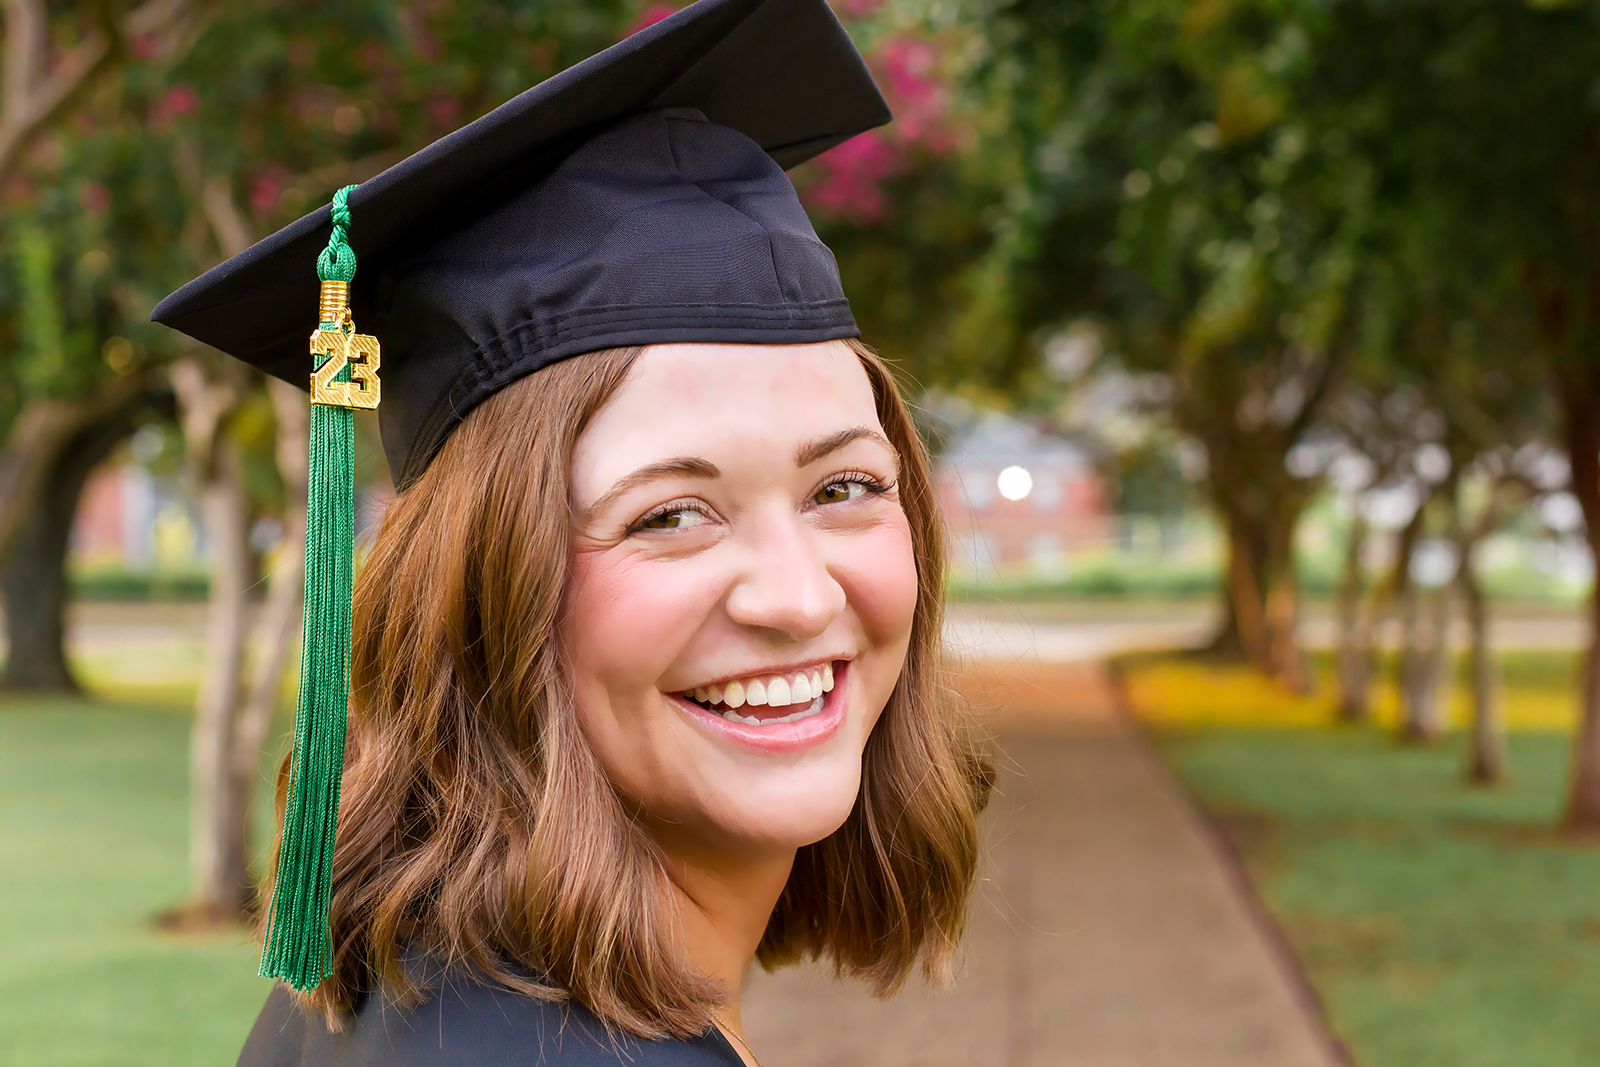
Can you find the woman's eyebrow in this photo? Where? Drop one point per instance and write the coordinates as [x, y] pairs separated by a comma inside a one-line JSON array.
[[812, 451], [681, 466]]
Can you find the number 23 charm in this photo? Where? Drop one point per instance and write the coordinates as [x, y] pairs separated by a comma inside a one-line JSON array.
[[343, 347]]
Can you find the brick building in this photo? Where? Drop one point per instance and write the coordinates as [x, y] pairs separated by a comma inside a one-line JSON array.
[[1018, 498]]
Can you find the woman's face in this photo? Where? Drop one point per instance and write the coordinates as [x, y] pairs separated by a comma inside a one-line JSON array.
[[742, 590]]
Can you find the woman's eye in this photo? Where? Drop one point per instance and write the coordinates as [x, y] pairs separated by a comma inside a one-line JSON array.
[[676, 519], [839, 492]]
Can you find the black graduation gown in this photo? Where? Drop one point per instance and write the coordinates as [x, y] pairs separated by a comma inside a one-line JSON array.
[[465, 1024]]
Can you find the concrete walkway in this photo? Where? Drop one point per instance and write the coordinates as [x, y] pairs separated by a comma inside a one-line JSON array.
[[1081, 631], [1060, 632], [1111, 928]]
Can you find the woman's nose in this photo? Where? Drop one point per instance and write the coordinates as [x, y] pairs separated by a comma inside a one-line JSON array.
[[785, 584]]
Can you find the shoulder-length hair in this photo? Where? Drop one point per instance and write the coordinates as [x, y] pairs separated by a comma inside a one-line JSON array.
[[476, 824]]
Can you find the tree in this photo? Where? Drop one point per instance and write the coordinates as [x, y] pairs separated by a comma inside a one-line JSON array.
[[33, 581], [1380, 424], [1176, 179], [65, 410], [1496, 427], [1478, 122], [40, 84], [300, 99], [902, 207]]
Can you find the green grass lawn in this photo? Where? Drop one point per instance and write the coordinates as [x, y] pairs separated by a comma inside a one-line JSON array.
[[1443, 925], [93, 806]]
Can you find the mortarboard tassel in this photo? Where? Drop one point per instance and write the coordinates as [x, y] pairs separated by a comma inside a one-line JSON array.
[[298, 948]]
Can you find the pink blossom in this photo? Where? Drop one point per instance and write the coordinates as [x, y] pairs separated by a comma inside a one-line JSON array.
[[94, 197], [179, 100], [17, 188], [182, 99], [372, 57], [266, 189], [847, 181], [919, 97], [857, 9], [652, 14], [444, 111], [852, 175]]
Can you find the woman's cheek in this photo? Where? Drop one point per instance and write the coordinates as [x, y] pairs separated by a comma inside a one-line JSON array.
[[878, 569], [627, 618], [626, 621]]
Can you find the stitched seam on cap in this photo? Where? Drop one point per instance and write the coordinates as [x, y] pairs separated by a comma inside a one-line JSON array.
[[552, 330], [564, 332]]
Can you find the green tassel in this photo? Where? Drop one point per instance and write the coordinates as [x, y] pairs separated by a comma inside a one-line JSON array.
[[298, 947]]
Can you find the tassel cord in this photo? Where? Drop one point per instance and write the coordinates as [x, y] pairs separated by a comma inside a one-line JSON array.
[[298, 946]]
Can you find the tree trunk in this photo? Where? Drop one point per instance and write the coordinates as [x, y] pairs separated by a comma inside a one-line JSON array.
[[1488, 737], [1581, 429], [1583, 801], [1398, 597], [1413, 662], [1355, 637], [232, 720], [33, 581], [1261, 607], [41, 436], [218, 857], [232, 724], [1410, 611], [220, 889], [1284, 659], [1426, 693], [34, 586], [1442, 676], [280, 619], [1425, 706], [1244, 630]]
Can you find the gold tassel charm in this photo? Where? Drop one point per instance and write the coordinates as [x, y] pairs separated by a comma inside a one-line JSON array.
[[339, 347]]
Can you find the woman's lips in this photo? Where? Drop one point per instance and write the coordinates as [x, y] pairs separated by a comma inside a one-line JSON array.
[[771, 735]]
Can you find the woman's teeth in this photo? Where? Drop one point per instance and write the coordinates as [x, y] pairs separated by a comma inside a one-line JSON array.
[[813, 708], [801, 690]]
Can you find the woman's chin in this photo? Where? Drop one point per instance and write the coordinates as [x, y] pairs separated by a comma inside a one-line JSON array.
[[791, 814]]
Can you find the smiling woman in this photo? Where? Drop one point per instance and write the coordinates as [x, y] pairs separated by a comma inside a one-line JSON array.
[[643, 676], [534, 788]]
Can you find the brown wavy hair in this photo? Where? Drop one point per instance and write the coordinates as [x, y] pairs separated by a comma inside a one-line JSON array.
[[478, 827]]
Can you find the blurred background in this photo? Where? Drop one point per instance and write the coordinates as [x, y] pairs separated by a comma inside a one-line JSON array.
[[1259, 346]]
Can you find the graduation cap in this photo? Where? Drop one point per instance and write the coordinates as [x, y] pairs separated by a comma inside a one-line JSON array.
[[638, 197]]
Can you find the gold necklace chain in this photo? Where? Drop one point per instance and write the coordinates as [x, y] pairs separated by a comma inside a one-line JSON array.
[[731, 1032]]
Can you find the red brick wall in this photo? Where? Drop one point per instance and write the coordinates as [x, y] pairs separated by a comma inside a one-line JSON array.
[[1075, 519]]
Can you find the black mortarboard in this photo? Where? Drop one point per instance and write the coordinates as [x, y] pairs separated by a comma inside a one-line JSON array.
[[637, 197]]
